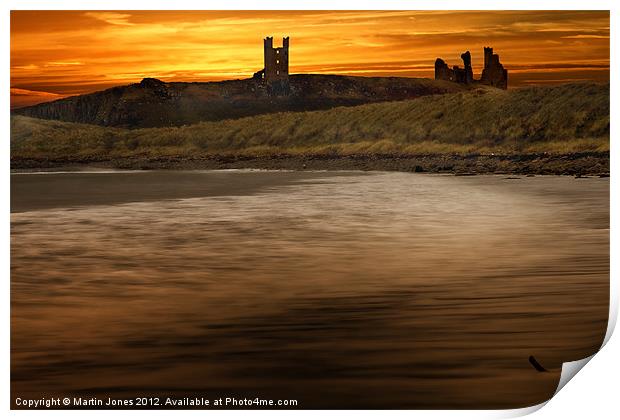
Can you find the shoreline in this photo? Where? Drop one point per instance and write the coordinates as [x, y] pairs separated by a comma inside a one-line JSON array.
[[575, 164]]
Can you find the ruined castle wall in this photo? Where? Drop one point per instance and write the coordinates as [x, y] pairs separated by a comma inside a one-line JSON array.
[[468, 76], [442, 71], [493, 74]]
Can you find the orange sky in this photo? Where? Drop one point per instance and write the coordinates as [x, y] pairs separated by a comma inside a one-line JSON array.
[[61, 53]]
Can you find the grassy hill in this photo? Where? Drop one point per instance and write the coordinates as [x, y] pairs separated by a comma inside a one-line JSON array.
[[560, 119], [153, 103]]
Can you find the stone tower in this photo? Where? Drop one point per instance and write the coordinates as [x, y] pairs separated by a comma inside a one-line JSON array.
[[276, 66], [494, 73]]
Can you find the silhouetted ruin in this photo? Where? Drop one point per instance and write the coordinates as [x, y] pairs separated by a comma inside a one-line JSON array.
[[493, 73], [275, 73]]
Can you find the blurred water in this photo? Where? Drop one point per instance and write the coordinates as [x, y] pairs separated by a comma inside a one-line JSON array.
[[346, 290]]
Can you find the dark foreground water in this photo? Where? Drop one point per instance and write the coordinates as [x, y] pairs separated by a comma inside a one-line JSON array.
[[339, 290]]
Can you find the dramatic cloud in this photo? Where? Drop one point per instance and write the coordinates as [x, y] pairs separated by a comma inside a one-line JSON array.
[[73, 52]]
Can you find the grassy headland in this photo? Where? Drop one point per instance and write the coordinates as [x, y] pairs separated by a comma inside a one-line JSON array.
[[530, 123], [154, 103]]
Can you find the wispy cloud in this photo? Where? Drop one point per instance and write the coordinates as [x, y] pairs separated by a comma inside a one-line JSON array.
[[585, 36], [63, 63], [111, 17], [26, 92]]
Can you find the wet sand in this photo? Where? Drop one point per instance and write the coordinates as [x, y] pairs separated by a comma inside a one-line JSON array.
[[95, 186], [349, 290]]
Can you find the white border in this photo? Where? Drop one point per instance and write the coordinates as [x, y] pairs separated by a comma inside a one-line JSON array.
[[592, 394]]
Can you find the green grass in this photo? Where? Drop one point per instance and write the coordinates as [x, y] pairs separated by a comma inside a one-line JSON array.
[[559, 119]]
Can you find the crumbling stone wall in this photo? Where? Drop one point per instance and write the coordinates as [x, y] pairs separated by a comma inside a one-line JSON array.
[[455, 74], [468, 73], [493, 73], [442, 71]]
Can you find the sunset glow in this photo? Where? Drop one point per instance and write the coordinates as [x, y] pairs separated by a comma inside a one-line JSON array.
[[61, 53]]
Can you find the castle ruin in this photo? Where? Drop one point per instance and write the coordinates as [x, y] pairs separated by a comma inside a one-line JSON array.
[[275, 73], [493, 73]]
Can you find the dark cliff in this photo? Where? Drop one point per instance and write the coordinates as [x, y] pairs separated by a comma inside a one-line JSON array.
[[153, 103]]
